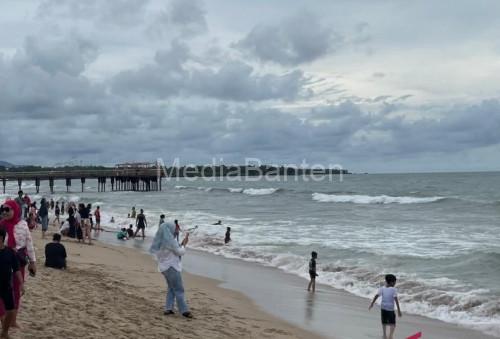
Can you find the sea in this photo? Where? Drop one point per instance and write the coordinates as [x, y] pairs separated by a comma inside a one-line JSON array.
[[439, 233]]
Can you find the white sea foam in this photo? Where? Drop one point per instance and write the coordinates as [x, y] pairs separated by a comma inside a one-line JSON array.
[[367, 199], [259, 191], [249, 191]]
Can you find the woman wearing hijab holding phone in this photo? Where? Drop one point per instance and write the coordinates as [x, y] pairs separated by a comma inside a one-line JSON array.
[[168, 253], [19, 239]]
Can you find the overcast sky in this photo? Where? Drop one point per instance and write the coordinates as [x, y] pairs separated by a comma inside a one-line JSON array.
[[371, 85]]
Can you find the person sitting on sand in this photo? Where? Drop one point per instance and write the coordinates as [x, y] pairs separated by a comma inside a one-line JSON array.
[[389, 295], [168, 253], [55, 253], [9, 266], [227, 238], [122, 235], [312, 272], [64, 230], [130, 231]]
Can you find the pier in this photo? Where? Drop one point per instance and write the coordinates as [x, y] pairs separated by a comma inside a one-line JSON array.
[[142, 177]]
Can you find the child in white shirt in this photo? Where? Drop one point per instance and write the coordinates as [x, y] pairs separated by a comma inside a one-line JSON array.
[[389, 295]]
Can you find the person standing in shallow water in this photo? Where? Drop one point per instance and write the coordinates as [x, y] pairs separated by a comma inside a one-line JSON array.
[[312, 272], [141, 224], [168, 253], [57, 211], [97, 215], [43, 213]]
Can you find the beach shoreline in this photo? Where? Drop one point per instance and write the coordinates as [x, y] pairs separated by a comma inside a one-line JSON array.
[[252, 291], [115, 291]]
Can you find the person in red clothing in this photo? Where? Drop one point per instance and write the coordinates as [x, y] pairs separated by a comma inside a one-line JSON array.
[[19, 239]]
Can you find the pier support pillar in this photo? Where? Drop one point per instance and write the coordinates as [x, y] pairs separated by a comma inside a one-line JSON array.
[[4, 182], [51, 185], [68, 184], [83, 182]]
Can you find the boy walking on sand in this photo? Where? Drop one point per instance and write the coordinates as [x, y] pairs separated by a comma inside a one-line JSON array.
[[312, 272], [389, 295]]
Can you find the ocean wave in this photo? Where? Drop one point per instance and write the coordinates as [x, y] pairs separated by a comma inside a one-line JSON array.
[[260, 191], [248, 191], [439, 298], [367, 199]]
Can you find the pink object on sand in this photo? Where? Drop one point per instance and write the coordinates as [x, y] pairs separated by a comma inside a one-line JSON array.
[[415, 336]]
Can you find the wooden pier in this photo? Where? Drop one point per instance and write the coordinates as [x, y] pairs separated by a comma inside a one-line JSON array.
[[142, 179]]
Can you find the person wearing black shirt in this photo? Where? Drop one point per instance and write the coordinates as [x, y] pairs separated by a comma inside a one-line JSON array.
[[55, 253], [312, 272], [140, 223], [227, 238], [9, 265]]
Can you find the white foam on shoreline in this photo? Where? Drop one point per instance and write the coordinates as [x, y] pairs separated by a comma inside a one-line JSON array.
[[367, 199]]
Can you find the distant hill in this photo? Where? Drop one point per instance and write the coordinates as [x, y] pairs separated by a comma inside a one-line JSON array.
[[6, 164]]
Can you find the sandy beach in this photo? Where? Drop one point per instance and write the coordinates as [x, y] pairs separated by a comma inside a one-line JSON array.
[[116, 292]]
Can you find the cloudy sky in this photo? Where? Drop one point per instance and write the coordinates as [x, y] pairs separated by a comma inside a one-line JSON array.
[[372, 85]]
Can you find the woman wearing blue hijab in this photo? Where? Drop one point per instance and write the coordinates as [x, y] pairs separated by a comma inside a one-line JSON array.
[[168, 253]]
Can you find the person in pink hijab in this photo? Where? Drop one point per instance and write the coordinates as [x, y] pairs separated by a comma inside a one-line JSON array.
[[19, 239]]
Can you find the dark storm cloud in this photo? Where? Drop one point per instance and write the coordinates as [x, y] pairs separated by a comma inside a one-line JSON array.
[[233, 80], [197, 98], [69, 55], [187, 17], [296, 40], [115, 12], [29, 91]]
